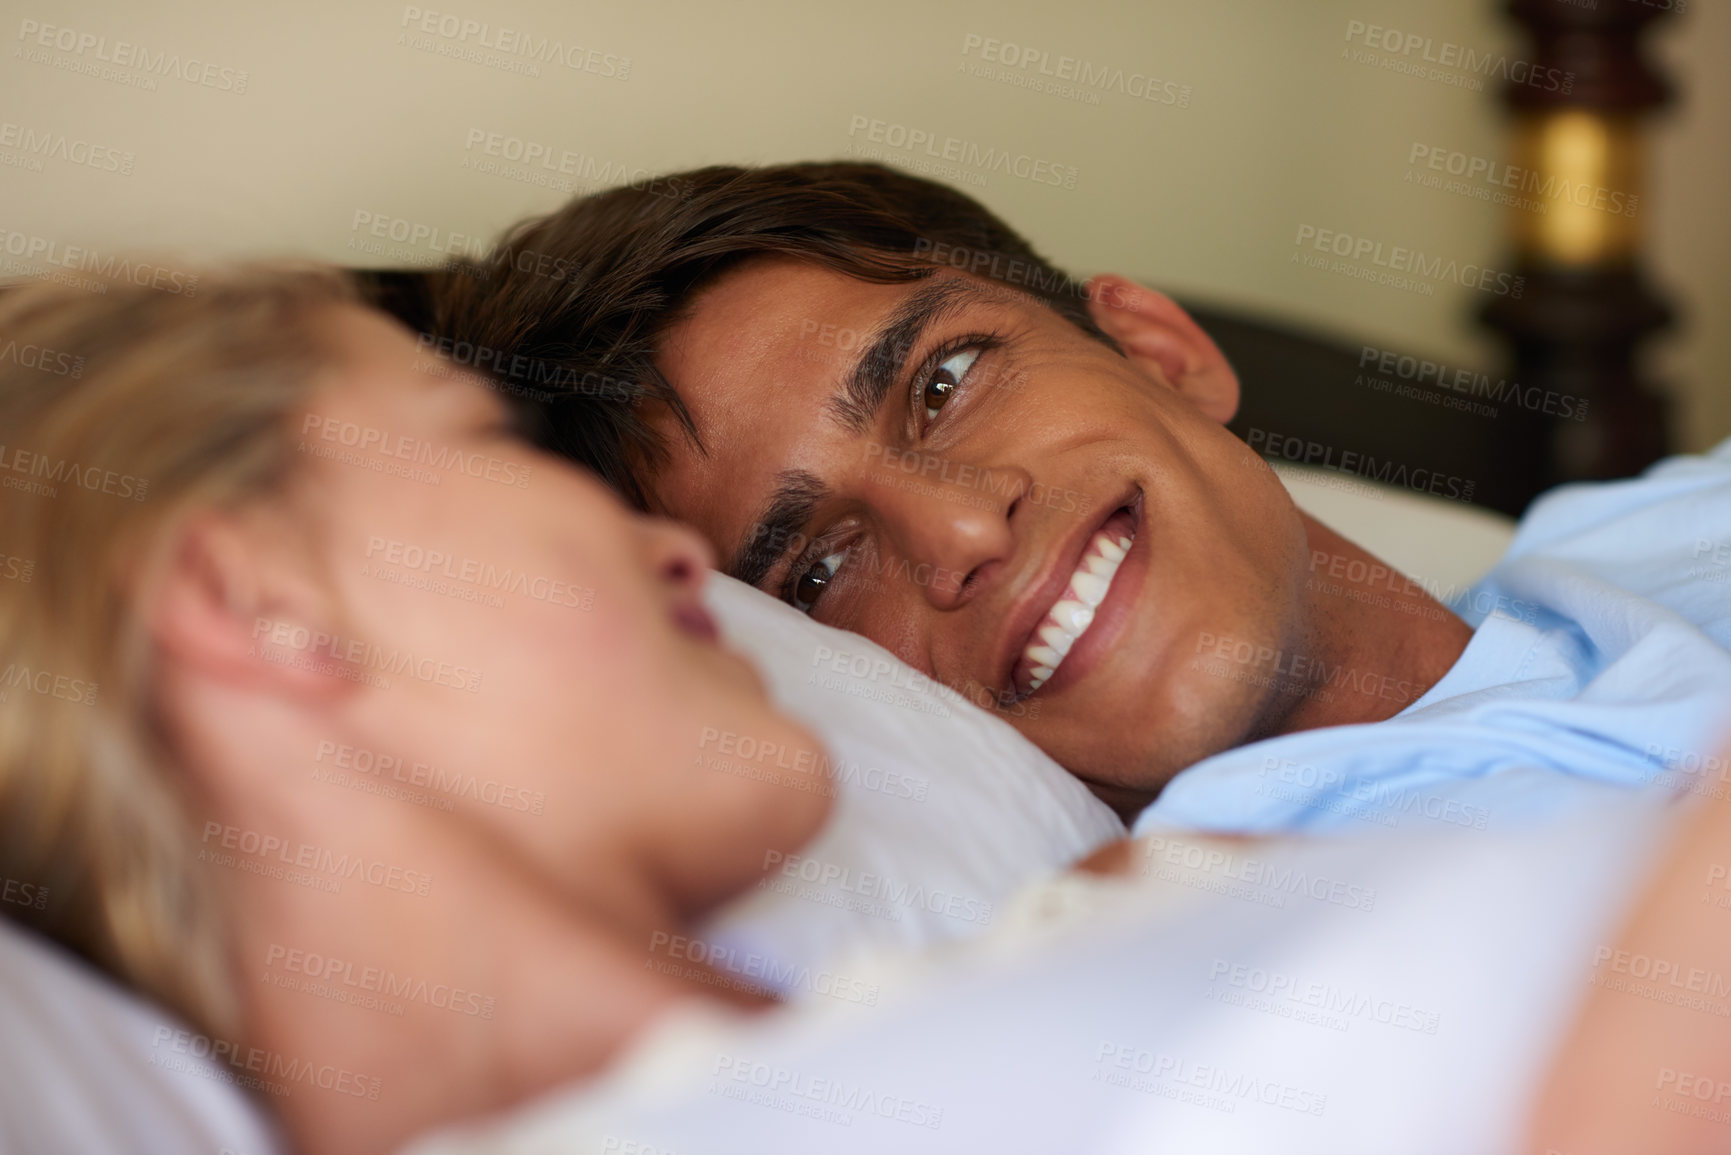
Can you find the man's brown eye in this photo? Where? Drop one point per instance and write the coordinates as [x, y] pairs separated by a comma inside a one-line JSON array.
[[945, 379], [809, 586], [938, 391]]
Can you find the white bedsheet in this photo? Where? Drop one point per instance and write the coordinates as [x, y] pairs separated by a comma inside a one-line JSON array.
[[86, 1067], [1390, 993]]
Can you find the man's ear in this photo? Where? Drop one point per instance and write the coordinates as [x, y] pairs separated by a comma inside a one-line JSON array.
[[1161, 337], [232, 602]]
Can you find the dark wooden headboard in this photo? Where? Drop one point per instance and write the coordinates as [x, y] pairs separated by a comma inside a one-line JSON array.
[[1338, 400]]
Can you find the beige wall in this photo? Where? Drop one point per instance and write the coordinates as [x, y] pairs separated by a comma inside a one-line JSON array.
[[1259, 126]]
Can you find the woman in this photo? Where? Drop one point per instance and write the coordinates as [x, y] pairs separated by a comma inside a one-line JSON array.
[[319, 674], [223, 500]]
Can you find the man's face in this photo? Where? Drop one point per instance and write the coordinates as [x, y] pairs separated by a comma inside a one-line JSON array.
[[954, 470]]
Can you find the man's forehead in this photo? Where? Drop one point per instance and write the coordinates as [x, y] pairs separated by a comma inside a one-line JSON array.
[[777, 304], [756, 360]]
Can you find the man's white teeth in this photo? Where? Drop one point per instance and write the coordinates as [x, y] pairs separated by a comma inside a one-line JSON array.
[[1090, 587], [1071, 615], [1074, 613], [1044, 656]]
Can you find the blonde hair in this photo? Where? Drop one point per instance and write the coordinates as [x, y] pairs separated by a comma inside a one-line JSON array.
[[122, 413]]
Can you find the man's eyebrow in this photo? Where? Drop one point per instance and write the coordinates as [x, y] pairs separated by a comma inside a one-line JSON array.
[[874, 374], [774, 532]]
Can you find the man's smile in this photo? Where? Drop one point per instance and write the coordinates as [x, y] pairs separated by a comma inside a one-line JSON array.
[[1063, 637]]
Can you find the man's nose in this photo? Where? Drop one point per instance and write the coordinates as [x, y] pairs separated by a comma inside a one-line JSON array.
[[954, 524]]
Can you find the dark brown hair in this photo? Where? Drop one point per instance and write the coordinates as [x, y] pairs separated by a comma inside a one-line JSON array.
[[569, 309]]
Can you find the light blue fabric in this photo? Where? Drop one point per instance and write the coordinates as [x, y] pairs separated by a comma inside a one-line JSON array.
[[1604, 662]]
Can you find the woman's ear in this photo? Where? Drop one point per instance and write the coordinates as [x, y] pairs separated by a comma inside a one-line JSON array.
[[1160, 337], [230, 603]]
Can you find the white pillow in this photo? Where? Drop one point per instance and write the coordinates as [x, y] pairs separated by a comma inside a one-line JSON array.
[[951, 808], [84, 1066], [942, 811]]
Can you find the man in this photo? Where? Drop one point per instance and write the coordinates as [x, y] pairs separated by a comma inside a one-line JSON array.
[[881, 405]]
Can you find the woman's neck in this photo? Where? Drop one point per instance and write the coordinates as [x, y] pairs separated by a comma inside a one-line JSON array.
[[400, 973]]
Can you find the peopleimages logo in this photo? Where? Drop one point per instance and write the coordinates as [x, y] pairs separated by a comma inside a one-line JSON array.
[[1191, 864], [333, 653], [876, 887], [246, 1062], [718, 964], [538, 377], [928, 144], [1487, 178], [1421, 371], [1067, 76], [109, 267], [551, 166], [27, 894], [1390, 264], [1456, 64], [1281, 447], [258, 853], [45, 474], [123, 54], [444, 783], [47, 143], [416, 235], [998, 489], [385, 555], [1669, 980], [1198, 1084], [832, 1100], [1369, 800], [512, 45], [1332, 998], [46, 683], [745, 750], [42, 358], [416, 451], [380, 981]]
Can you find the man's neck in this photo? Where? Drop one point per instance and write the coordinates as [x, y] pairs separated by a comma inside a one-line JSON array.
[[1377, 640], [1369, 642]]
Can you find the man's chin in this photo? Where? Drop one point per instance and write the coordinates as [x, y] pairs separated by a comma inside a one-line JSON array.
[[1128, 762], [1126, 801]]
